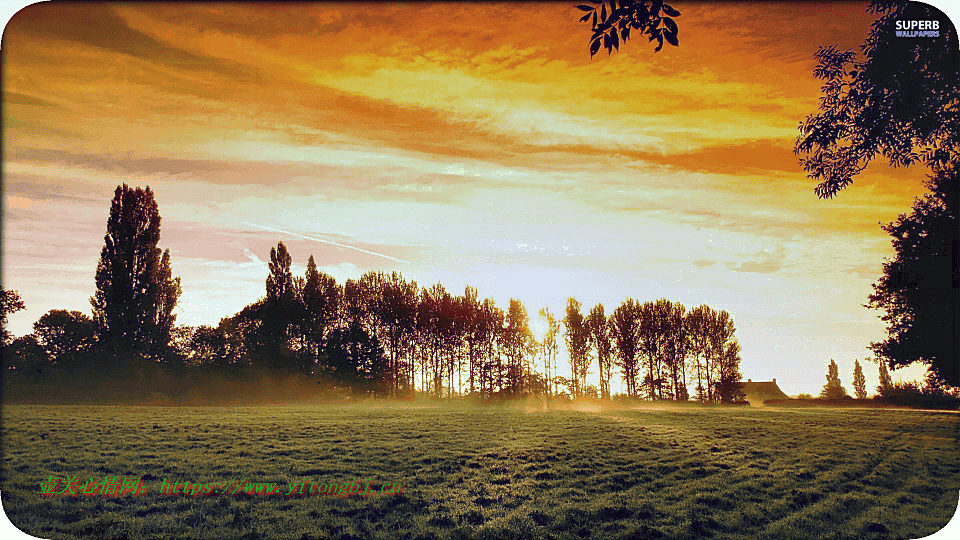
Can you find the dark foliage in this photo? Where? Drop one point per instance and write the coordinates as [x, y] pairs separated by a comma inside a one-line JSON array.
[[66, 336], [10, 302], [135, 297], [899, 101], [652, 19], [919, 291], [833, 389], [355, 360]]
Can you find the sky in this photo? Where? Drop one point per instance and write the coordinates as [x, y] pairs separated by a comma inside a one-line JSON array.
[[467, 144]]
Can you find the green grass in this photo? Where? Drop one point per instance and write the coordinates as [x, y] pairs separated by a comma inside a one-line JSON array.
[[491, 472]]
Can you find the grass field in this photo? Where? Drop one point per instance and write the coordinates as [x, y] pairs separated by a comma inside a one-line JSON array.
[[490, 472]]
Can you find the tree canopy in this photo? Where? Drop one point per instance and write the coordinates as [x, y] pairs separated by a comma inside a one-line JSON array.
[[898, 101], [919, 291], [10, 302]]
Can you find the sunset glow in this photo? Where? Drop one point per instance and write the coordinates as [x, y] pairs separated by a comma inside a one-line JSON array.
[[466, 144]]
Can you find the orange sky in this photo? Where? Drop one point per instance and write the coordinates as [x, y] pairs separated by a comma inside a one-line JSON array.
[[462, 143]]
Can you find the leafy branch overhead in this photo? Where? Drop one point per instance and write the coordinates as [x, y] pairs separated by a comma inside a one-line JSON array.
[[651, 18], [899, 101]]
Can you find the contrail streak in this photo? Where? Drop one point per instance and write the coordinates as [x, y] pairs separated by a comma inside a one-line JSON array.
[[326, 242]]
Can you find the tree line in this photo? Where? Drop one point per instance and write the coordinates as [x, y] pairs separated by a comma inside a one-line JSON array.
[[380, 334]]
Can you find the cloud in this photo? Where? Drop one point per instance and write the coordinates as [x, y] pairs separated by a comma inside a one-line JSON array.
[[765, 263], [314, 239]]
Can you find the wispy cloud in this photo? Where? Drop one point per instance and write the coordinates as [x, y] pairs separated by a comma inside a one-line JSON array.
[[321, 240]]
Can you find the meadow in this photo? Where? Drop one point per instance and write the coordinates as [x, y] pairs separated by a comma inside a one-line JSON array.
[[493, 471]]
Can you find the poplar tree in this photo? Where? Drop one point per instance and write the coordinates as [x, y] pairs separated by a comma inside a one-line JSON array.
[[833, 389], [886, 383], [136, 295], [859, 381]]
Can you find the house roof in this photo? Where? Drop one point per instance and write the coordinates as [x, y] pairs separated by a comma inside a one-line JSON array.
[[759, 391]]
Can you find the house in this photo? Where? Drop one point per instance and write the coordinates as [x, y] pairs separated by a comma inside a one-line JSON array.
[[760, 391]]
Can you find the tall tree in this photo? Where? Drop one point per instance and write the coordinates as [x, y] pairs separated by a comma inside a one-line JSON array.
[[651, 342], [833, 389], [728, 385], [697, 323], [624, 329], [677, 350], [886, 383], [578, 346], [280, 279], [519, 343], [859, 381], [10, 302], [721, 340], [549, 348], [167, 293], [271, 320], [135, 295], [397, 315], [600, 340], [919, 291], [320, 296]]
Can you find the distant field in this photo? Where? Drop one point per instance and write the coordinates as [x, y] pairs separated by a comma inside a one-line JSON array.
[[490, 472]]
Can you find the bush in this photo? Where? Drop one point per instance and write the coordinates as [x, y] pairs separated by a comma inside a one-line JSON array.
[[930, 394]]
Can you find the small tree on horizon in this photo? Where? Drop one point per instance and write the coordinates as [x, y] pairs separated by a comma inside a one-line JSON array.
[[10, 302], [833, 389], [859, 381], [886, 383]]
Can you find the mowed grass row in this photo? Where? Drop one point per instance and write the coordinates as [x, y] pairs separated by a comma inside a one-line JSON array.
[[491, 472]]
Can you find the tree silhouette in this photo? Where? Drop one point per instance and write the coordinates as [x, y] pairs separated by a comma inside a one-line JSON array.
[[728, 385], [356, 361], [268, 325], [898, 102], [624, 329], [833, 389], [650, 18], [320, 297], [65, 336], [135, 297], [886, 383], [859, 381], [209, 348], [549, 348], [578, 346], [600, 340], [25, 357], [919, 291], [697, 323], [10, 302], [518, 345]]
